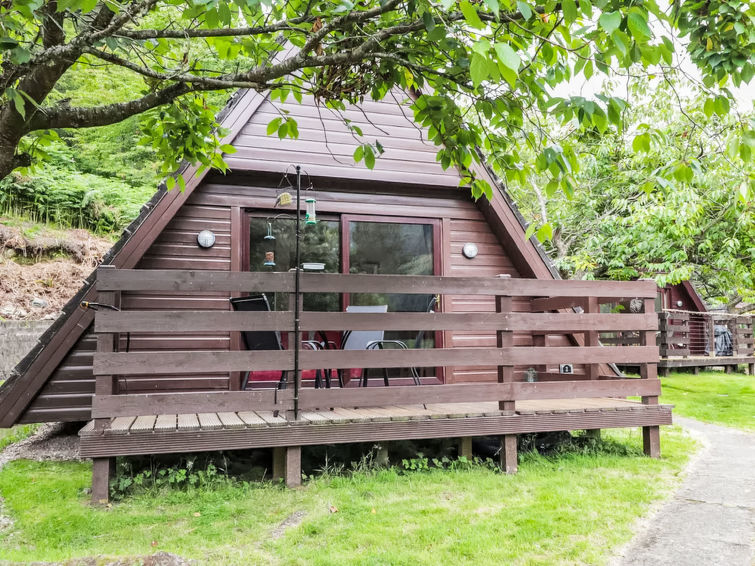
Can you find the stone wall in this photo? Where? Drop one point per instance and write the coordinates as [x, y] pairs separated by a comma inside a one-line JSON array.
[[17, 337]]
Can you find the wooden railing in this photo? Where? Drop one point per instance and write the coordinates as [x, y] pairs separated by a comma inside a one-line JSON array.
[[551, 302], [684, 333]]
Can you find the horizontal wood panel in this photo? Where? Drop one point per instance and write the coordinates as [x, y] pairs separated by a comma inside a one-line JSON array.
[[129, 279], [176, 321], [198, 362], [463, 393], [104, 406]]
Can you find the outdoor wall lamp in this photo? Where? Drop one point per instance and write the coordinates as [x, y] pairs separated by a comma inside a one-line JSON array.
[[469, 250], [206, 239]]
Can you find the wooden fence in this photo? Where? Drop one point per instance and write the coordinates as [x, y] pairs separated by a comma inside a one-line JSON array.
[[551, 303]]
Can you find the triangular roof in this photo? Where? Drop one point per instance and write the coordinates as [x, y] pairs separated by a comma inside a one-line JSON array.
[[246, 117]]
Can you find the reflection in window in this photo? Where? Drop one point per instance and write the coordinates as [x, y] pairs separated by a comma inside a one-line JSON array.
[[392, 248], [320, 243]]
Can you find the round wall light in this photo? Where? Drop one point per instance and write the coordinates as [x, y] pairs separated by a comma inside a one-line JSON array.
[[206, 239], [469, 250]]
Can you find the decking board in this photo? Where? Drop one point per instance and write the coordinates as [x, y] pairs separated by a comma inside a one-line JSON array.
[[348, 425]]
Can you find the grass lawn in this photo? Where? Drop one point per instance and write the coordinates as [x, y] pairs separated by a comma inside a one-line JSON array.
[[713, 397], [573, 508]]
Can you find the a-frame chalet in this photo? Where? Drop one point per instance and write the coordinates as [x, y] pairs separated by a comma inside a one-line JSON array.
[[407, 282]]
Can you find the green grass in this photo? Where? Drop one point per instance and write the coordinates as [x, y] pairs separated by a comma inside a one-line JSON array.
[[10, 435], [573, 508], [713, 397]]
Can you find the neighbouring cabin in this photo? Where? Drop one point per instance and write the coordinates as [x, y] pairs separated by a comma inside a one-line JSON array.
[[693, 337], [407, 282]]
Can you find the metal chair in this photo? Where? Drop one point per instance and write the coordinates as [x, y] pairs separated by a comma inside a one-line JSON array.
[[258, 339], [361, 339], [400, 344]]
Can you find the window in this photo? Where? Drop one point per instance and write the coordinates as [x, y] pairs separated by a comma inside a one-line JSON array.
[[320, 243]]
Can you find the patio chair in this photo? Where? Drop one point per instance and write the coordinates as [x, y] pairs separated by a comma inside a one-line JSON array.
[[400, 344], [361, 339], [271, 340], [259, 339]]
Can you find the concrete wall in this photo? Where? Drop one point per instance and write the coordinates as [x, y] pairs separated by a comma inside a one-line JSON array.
[[16, 339]]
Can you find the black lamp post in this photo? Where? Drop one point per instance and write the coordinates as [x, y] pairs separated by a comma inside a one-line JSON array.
[[297, 295]]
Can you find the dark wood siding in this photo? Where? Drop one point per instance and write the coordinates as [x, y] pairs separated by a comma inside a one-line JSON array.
[[325, 146]]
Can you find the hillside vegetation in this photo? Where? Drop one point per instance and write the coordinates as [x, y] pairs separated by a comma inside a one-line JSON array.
[[96, 178]]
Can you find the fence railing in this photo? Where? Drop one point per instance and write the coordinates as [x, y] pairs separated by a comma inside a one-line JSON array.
[[685, 333], [550, 303]]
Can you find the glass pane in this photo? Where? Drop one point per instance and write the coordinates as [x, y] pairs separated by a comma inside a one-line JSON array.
[[320, 243], [393, 248]]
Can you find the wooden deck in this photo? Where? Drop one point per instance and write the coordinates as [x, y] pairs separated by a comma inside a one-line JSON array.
[[263, 429], [526, 397]]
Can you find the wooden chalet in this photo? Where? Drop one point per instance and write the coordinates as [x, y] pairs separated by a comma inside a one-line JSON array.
[[688, 333], [501, 352]]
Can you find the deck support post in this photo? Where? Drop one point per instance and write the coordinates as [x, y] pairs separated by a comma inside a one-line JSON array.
[[696, 370], [293, 466], [279, 463], [465, 447], [508, 455], [651, 435], [593, 433], [751, 369], [730, 369], [103, 469], [651, 441]]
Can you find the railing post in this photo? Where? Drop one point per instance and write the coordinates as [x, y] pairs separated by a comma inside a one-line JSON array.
[[711, 326], [651, 435], [103, 468], [505, 339], [591, 337]]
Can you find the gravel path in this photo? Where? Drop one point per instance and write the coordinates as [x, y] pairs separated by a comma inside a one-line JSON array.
[[711, 519]]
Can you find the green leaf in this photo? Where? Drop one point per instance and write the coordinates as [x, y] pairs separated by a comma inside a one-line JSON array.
[[570, 10], [7, 43], [369, 157], [227, 148], [494, 6], [359, 153], [610, 21], [545, 232], [170, 182], [530, 230], [641, 143], [508, 56], [181, 183], [470, 14], [20, 55], [18, 101], [524, 9], [478, 69], [638, 27], [274, 125], [721, 105], [708, 107]]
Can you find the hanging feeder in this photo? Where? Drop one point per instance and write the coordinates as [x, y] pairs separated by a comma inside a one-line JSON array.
[[310, 217], [270, 247]]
